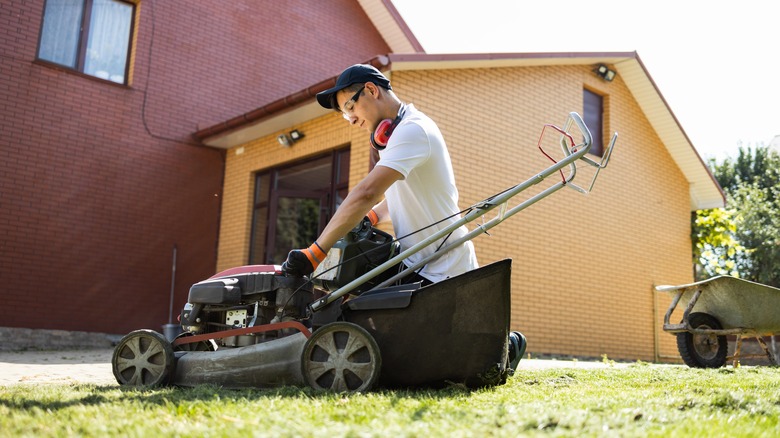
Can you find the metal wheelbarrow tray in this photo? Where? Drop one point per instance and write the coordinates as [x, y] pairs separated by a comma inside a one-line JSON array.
[[718, 307]]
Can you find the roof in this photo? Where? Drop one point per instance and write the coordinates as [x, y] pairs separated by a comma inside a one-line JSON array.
[[302, 106], [389, 23]]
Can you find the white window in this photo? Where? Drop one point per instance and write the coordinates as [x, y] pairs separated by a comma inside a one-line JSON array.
[[90, 36]]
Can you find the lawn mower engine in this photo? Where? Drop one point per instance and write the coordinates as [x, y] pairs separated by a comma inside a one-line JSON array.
[[249, 297], [243, 298]]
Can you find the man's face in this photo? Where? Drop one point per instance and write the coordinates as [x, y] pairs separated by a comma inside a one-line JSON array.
[[357, 106]]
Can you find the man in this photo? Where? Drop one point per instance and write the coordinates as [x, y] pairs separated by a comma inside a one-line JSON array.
[[413, 184]]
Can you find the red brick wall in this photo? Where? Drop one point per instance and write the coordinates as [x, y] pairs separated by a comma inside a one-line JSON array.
[[98, 182]]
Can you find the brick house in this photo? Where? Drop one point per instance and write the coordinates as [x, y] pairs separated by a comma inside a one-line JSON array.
[[199, 123], [101, 177]]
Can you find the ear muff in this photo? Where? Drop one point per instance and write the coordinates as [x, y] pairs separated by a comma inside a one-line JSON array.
[[385, 128], [382, 133]]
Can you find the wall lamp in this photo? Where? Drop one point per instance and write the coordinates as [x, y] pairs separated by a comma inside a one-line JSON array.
[[287, 140], [605, 72]]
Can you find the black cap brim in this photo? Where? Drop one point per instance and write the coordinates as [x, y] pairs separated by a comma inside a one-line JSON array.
[[324, 97]]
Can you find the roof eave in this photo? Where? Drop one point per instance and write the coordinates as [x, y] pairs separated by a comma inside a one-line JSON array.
[[391, 26], [296, 108], [705, 192]]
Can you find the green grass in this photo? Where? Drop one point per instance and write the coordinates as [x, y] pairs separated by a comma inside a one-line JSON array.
[[638, 400]]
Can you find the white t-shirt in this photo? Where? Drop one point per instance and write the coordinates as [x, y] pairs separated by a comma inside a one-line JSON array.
[[426, 195]]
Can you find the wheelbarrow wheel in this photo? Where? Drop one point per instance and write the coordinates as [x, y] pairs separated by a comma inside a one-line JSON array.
[[702, 350], [342, 357], [143, 358]]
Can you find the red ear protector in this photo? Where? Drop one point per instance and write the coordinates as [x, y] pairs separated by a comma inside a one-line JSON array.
[[384, 130]]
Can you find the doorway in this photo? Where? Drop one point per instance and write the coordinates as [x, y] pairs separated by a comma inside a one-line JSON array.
[[293, 203]]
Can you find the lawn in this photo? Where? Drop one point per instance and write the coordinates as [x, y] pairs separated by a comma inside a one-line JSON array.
[[637, 400]]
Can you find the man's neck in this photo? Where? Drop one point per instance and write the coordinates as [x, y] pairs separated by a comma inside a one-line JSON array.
[[394, 108]]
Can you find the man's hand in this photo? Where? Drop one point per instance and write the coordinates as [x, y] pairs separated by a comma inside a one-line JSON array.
[[369, 220], [302, 262]]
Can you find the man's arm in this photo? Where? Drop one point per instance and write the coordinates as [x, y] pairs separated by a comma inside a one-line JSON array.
[[367, 194]]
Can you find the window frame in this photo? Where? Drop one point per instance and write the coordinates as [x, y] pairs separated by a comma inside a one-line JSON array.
[[262, 199], [594, 122], [83, 40]]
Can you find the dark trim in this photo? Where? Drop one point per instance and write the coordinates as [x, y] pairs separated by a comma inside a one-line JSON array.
[[131, 38], [86, 25]]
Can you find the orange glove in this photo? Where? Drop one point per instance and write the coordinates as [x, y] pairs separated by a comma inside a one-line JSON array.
[[373, 217]]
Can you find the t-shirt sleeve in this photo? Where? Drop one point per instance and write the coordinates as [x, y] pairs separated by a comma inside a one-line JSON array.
[[408, 148]]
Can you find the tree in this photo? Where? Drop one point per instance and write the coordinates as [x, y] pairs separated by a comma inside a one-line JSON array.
[[759, 231], [716, 250], [742, 239], [761, 167]]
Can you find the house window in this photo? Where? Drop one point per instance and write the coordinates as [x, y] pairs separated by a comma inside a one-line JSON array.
[[90, 36], [593, 116]]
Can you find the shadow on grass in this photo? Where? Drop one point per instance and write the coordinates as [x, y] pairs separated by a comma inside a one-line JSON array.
[[56, 397]]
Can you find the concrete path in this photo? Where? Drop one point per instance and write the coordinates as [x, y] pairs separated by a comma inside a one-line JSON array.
[[64, 367]]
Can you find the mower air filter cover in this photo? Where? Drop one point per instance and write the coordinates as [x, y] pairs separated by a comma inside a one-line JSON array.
[[220, 291]]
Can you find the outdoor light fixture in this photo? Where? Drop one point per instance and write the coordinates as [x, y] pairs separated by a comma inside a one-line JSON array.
[[287, 140], [284, 140], [296, 135], [605, 72]]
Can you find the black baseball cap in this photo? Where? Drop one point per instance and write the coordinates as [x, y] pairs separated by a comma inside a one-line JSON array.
[[356, 74]]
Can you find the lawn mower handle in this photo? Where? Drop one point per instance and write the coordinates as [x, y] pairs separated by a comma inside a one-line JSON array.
[[571, 154]]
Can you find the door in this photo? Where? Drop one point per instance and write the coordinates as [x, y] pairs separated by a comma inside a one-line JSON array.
[[298, 220], [293, 203]]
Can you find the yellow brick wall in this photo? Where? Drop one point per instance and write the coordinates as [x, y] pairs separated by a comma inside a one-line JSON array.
[[584, 266]]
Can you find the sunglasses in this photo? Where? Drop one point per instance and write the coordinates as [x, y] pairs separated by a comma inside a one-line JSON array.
[[349, 105]]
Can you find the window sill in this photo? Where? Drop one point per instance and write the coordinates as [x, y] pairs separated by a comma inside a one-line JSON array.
[[64, 69]]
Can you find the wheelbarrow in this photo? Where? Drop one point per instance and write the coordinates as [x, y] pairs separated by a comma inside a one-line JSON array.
[[719, 307]]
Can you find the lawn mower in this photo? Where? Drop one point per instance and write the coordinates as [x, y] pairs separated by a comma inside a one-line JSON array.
[[350, 326]]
